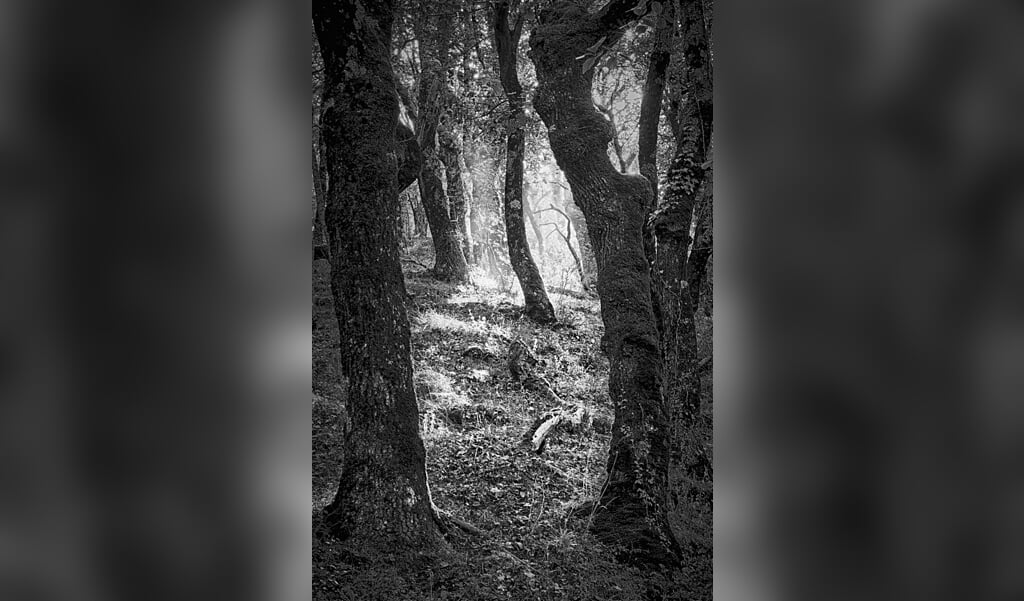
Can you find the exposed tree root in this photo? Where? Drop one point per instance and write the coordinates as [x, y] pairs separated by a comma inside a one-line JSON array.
[[445, 521]]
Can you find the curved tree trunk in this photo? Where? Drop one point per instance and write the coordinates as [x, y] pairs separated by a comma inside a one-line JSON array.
[[383, 500], [451, 157], [449, 262], [506, 39], [688, 176], [633, 508]]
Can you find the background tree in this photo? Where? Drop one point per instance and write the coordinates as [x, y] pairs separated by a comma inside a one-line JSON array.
[[382, 498], [433, 32], [506, 41], [632, 510]]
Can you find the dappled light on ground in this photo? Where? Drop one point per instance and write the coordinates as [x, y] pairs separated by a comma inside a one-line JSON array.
[[473, 417]]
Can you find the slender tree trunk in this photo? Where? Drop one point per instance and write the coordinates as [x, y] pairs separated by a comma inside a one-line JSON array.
[[410, 159], [690, 471], [451, 155], [419, 214], [506, 39], [587, 259], [633, 508], [650, 105], [449, 262], [382, 500], [531, 216]]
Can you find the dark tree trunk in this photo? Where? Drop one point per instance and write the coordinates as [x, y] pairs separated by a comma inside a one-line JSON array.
[[449, 262], [650, 105], [703, 238], [506, 39], [690, 471], [633, 508], [451, 157], [410, 159], [383, 500]]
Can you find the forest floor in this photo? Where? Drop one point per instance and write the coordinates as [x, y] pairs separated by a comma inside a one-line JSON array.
[[473, 415]]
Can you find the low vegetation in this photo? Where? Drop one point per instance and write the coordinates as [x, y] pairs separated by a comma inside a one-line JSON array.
[[474, 415]]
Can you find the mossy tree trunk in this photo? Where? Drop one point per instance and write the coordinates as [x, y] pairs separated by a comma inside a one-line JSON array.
[[433, 33], [458, 198], [382, 500], [633, 508], [506, 39], [688, 177]]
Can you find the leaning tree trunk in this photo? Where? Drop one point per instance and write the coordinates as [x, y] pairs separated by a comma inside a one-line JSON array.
[[382, 500], [633, 508], [458, 205], [506, 39], [688, 176], [449, 262]]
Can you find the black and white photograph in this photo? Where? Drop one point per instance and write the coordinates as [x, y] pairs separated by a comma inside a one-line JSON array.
[[512, 296]]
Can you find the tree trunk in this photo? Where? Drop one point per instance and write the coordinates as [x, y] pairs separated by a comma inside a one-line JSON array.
[[650, 105], [419, 214], [449, 262], [506, 39], [383, 500], [531, 216], [633, 508], [410, 159], [690, 467], [588, 264], [703, 238], [451, 157]]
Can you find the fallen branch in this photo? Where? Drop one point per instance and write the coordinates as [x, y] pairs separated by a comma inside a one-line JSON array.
[[544, 425]]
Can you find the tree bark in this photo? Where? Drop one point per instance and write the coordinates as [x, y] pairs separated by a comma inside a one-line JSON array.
[[650, 105], [506, 40], [410, 158], [690, 466], [633, 508], [451, 157], [382, 500], [449, 262]]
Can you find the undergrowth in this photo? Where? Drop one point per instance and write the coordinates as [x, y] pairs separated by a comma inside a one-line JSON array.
[[472, 419]]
